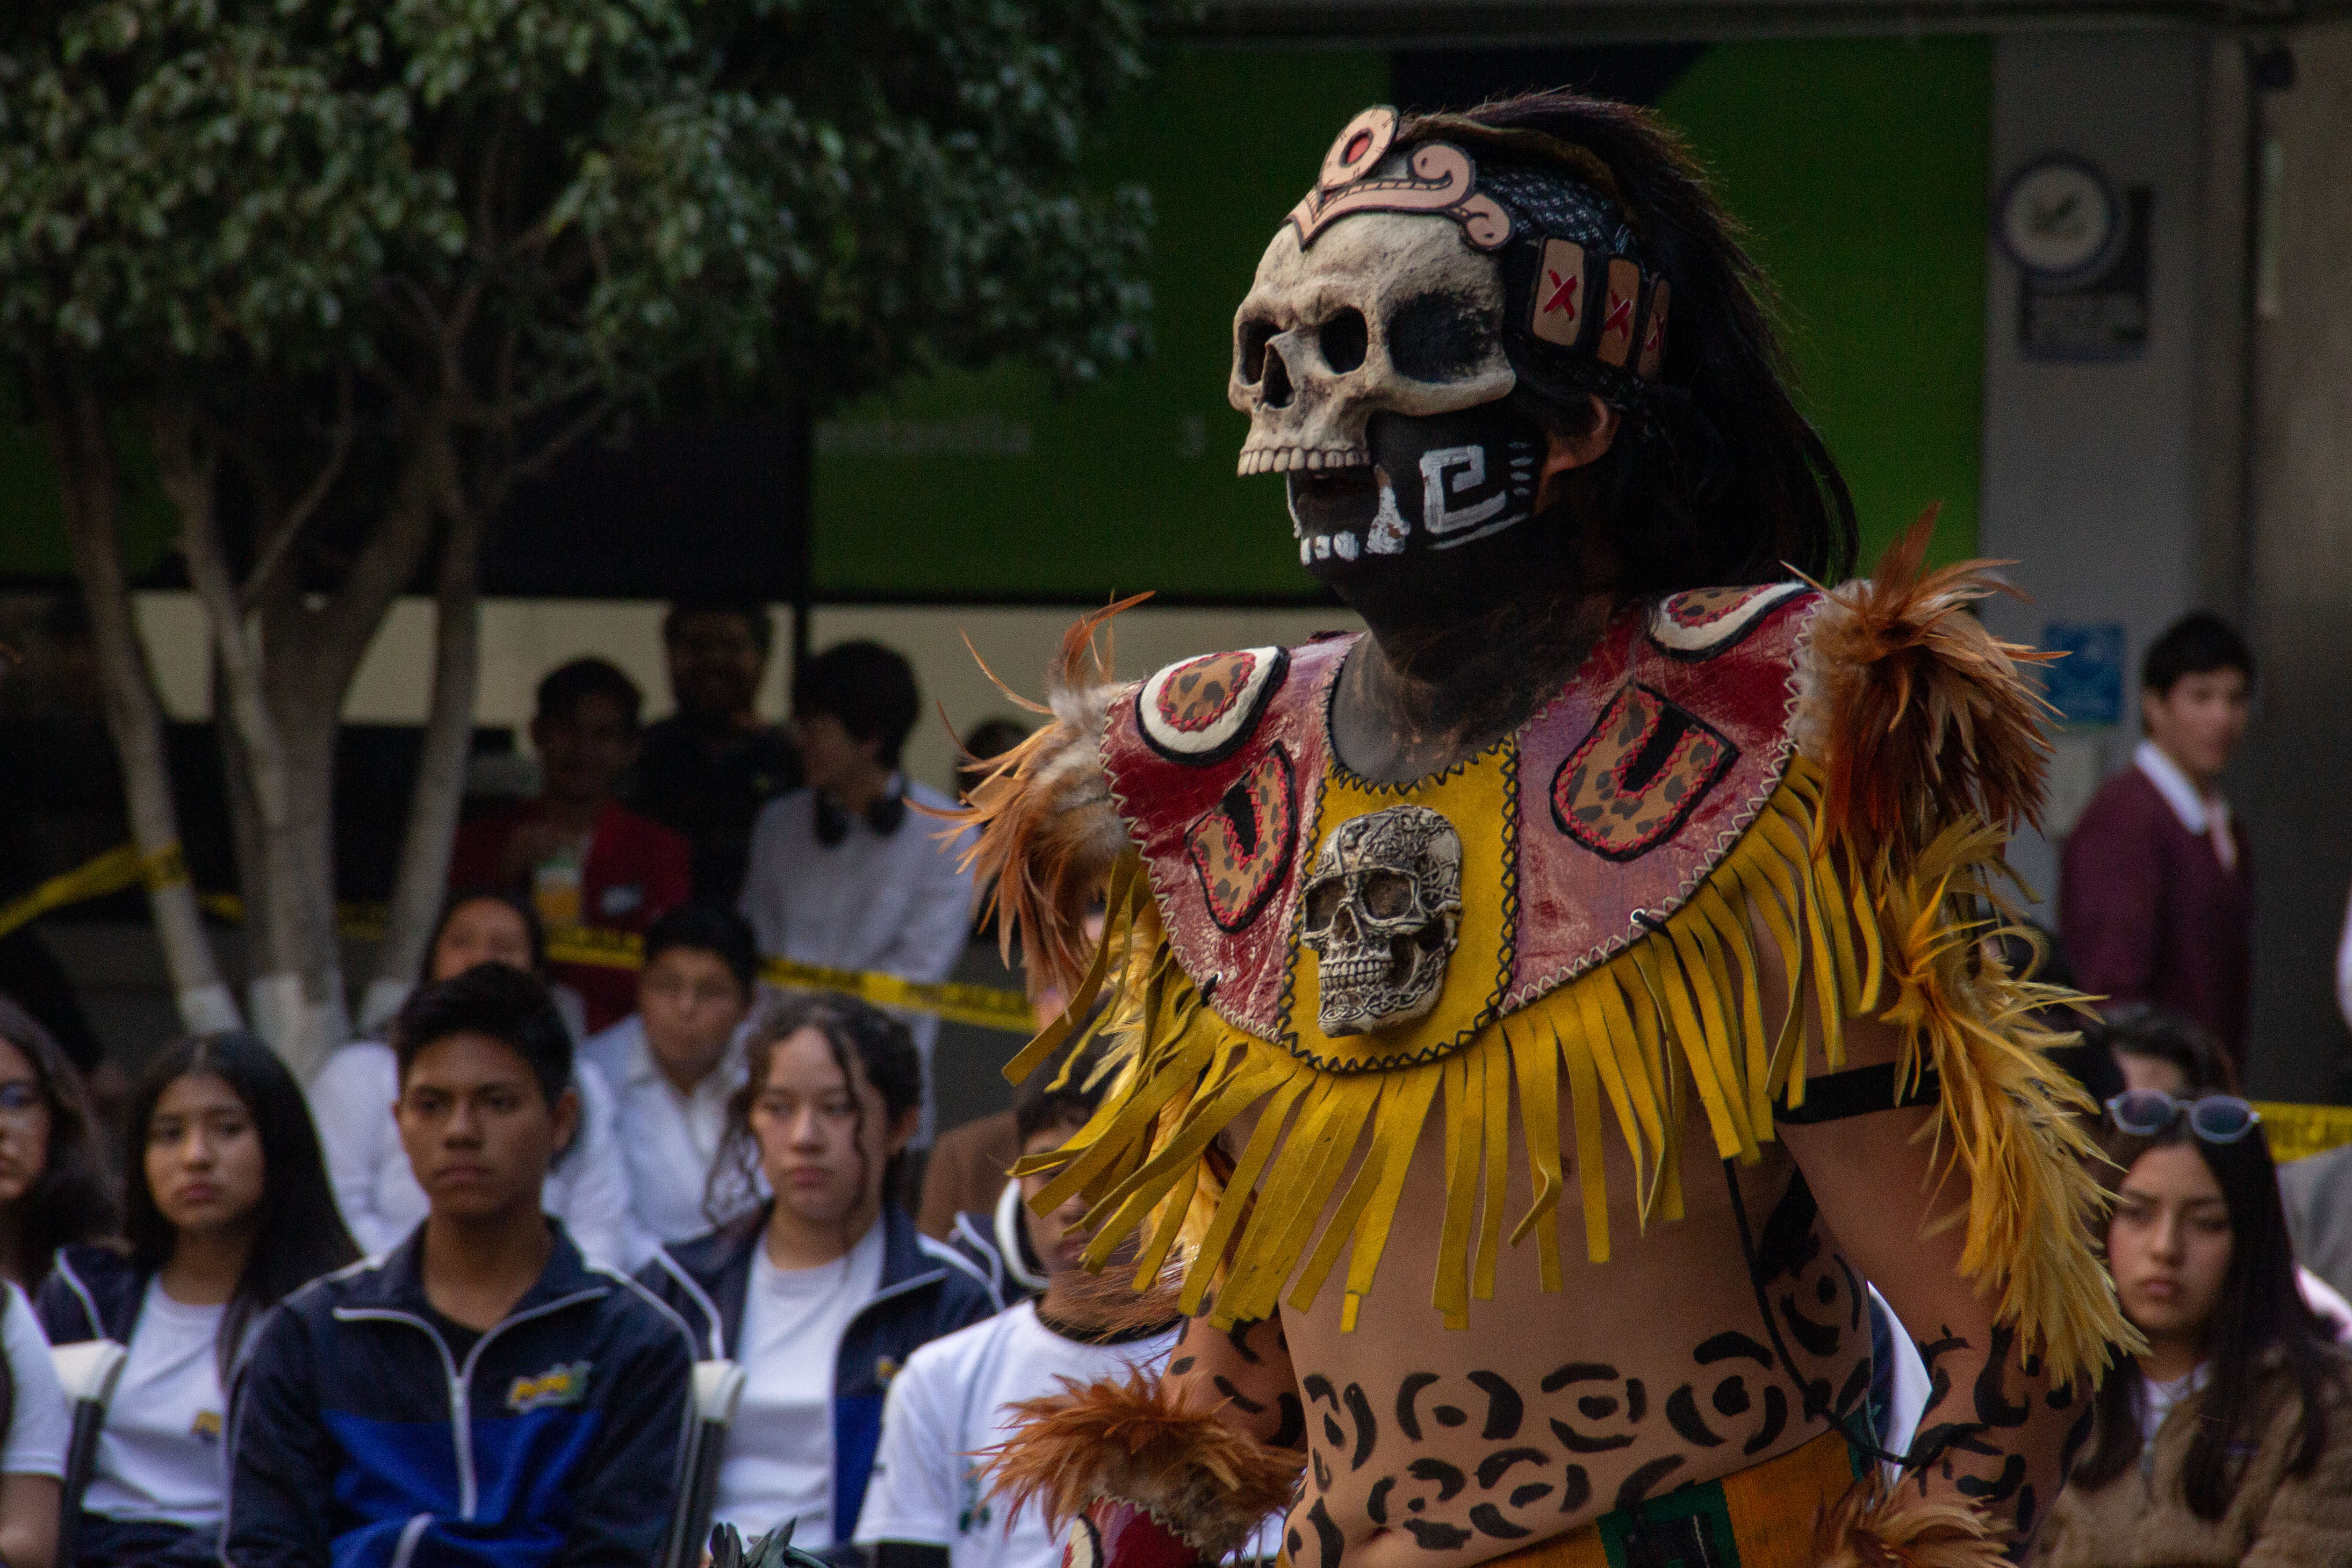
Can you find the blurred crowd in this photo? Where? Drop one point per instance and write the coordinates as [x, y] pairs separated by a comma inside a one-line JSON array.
[[347, 1332]]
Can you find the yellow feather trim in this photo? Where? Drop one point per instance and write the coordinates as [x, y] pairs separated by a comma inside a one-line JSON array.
[[1679, 1010]]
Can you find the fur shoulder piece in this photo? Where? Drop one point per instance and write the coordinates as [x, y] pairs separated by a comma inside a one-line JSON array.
[[1130, 1441], [1919, 715], [1049, 833], [1878, 1526]]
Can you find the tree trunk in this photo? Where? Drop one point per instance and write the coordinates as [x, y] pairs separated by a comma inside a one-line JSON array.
[[85, 461], [424, 876]]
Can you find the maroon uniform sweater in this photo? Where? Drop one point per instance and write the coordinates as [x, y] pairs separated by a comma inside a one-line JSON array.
[[2149, 913]]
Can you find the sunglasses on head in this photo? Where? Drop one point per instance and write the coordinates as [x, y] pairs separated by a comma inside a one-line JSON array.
[[2215, 1118]]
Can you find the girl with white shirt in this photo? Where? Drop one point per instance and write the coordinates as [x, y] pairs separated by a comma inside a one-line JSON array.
[[227, 1210], [823, 1291], [352, 1096]]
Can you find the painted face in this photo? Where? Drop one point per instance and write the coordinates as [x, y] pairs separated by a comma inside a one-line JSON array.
[[825, 1137], [477, 1128], [1434, 485], [480, 930], [204, 1159], [691, 1003], [2168, 1244], [24, 1124]]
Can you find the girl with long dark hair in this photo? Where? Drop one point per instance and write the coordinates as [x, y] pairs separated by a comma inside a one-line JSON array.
[[227, 1212], [353, 1097], [53, 1186], [2230, 1441], [817, 1282]]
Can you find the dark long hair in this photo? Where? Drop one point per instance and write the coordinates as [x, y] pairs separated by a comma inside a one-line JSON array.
[[301, 1232], [520, 905], [2259, 1318], [1716, 478], [71, 1201], [882, 1052]]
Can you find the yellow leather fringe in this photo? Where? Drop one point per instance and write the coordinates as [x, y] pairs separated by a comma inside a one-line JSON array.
[[1678, 1013]]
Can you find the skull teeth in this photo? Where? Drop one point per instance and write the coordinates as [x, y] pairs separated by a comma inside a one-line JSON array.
[[1292, 459]]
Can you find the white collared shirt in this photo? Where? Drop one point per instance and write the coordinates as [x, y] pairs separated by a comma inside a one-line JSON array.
[[2205, 816], [667, 1139]]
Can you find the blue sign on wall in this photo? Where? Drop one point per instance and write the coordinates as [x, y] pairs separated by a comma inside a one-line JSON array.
[[2087, 685]]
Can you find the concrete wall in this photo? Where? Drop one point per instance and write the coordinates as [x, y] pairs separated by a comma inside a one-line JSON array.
[[2300, 751]]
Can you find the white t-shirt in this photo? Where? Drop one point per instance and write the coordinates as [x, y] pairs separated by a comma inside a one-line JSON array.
[[40, 1427], [159, 1454], [350, 1101], [779, 1458], [949, 1401]]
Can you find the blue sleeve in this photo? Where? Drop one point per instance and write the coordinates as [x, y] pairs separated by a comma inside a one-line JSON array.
[[628, 1483], [281, 1462]]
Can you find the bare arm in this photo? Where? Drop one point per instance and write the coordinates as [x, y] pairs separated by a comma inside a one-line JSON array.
[[1242, 1376], [28, 1520], [2001, 1433]]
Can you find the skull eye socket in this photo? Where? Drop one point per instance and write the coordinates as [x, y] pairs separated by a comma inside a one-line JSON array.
[[1343, 339], [1323, 901], [1439, 337], [1254, 337], [1387, 895]]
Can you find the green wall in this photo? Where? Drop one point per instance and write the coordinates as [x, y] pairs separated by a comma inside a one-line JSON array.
[[1859, 166]]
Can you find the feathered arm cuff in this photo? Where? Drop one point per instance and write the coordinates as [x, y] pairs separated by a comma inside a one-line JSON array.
[[1111, 1449], [1048, 832]]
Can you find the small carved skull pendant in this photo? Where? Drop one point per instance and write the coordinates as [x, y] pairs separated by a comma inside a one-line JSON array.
[[1382, 910]]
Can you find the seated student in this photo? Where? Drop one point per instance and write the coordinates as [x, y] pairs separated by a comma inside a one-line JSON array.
[[581, 858], [928, 1506], [672, 1065], [228, 1211], [481, 1394], [54, 1190], [2230, 1440], [33, 1442], [823, 1291], [353, 1097]]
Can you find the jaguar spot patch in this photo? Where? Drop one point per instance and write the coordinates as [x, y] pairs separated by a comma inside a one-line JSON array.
[[1704, 622], [1200, 710], [1243, 846], [1637, 776]]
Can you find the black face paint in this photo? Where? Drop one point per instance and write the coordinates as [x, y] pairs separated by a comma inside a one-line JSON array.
[[1435, 485]]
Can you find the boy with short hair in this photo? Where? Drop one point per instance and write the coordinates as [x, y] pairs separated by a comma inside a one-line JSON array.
[[2156, 887], [479, 1393], [927, 1505], [580, 856], [673, 1063], [843, 874]]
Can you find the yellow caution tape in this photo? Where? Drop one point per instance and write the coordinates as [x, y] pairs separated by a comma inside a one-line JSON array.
[[983, 1006], [120, 867], [2296, 1131]]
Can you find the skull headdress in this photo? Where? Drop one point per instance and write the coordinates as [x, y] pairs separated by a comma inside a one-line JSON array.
[[1382, 910], [1416, 284]]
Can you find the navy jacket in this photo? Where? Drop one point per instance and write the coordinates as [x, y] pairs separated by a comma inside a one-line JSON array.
[[357, 1438], [91, 1293], [927, 1291]]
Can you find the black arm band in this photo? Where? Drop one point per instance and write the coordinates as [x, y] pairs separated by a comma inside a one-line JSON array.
[[1858, 1091], [909, 1554]]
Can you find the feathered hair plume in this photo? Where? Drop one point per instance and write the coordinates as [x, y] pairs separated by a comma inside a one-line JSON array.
[[1048, 832], [1133, 1442], [1921, 715], [1875, 1525]]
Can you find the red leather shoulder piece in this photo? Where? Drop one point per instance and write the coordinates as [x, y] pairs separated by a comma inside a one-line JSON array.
[[1212, 765], [1639, 777]]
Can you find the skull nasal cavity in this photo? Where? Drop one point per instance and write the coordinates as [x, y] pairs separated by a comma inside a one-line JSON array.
[[1277, 391], [1343, 339], [1254, 336]]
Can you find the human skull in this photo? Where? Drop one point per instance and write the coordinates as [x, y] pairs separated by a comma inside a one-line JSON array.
[[1385, 311], [1382, 910]]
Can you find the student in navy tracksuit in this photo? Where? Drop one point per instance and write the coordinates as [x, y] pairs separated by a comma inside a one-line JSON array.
[[823, 1291], [480, 1396], [227, 1210]]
